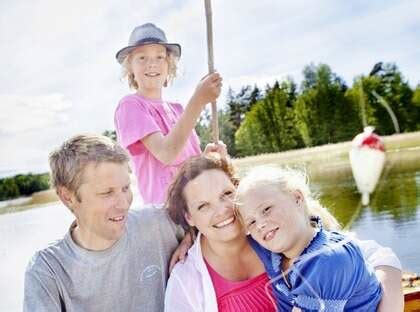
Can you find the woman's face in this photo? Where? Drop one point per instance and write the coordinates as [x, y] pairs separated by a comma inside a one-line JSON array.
[[209, 199], [274, 219], [149, 64]]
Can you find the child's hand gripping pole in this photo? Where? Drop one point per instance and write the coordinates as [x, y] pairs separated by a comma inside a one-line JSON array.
[[214, 121]]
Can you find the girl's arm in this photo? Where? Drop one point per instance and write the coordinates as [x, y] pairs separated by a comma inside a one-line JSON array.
[[167, 148]]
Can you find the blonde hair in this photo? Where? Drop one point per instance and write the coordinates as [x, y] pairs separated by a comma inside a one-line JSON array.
[[67, 163], [128, 74], [287, 180]]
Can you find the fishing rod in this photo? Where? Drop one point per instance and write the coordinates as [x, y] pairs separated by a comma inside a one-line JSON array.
[[209, 24]]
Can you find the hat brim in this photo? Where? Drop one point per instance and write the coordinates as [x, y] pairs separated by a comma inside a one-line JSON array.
[[175, 48]]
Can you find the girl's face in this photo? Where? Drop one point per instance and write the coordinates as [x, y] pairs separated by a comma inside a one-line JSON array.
[[149, 64], [209, 199], [274, 219]]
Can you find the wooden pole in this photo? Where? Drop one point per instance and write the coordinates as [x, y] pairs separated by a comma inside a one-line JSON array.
[[214, 120]]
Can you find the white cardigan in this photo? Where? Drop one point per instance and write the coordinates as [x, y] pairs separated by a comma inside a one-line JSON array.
[[190, 287]]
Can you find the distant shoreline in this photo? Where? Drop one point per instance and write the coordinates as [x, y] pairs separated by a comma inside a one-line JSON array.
[[327, 161], [37, 199]]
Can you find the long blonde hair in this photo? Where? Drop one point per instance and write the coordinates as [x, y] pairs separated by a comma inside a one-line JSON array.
[[287, 180]]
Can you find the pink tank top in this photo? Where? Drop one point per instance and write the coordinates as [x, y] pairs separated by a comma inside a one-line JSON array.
[[245, 296]]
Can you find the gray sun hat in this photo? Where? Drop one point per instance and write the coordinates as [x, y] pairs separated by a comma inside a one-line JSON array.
[[147, 34]]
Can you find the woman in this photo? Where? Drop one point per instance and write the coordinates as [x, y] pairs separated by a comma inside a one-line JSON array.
[[222, 272]]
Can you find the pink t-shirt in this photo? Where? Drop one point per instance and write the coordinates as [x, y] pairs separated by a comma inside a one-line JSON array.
[[252, 295], [135, 118]]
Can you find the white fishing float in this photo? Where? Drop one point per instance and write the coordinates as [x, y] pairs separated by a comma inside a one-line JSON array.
[[367, 159]]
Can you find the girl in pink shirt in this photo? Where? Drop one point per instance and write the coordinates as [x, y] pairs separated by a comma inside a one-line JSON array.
[[158, 134]]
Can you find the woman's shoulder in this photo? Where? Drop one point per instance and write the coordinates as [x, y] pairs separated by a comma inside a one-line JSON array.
[[186, 270], [192, 264]]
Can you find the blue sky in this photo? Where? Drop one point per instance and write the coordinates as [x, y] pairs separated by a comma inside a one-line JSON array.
[[59, 76]]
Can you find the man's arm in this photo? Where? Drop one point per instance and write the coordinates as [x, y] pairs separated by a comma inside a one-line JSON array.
[[393, 298], [387, 268], [41, 293]]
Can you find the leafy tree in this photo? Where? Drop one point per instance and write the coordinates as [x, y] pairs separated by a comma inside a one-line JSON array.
[[240, 103], [385, 84], [270, 125], [112, 134], [323, 114], [416, 97], [226, 130], [8, 189], [23, 185], [31, 183]]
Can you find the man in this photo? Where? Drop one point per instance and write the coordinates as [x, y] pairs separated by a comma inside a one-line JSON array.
[[111, 259]]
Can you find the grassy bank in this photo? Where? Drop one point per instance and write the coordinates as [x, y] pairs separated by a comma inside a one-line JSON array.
[[36, 200], [332, 161]]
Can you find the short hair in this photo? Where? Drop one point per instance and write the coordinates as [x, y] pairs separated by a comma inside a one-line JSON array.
[[192, 168], [67, 163], [128, 74]]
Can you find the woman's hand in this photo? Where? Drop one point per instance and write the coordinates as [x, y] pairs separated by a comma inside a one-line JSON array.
[[181, 251]]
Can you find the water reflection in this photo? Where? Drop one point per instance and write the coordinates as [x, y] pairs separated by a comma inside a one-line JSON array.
[[396, 195], [392, 219]]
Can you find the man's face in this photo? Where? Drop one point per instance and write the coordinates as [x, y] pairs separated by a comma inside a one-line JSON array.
[[105, 197]]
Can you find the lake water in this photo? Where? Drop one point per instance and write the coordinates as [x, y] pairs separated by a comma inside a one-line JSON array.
[[392, 219]]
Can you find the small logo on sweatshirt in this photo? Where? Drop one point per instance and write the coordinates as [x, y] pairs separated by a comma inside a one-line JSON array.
[[149, 272]]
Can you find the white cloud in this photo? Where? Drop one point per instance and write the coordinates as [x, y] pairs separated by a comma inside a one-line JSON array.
[[32, 113]]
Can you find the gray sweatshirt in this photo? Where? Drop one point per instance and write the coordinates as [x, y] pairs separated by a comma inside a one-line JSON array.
[[129, 276]]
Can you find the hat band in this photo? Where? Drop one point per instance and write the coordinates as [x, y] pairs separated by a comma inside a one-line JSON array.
[[148, 40]]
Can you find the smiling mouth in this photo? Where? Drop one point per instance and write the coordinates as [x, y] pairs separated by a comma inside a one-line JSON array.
[[270, 234], [225, 223], [117, 219], [152, 74]]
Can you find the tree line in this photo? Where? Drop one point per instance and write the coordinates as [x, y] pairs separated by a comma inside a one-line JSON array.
[[23, 185], [322, 110], [285, 115]]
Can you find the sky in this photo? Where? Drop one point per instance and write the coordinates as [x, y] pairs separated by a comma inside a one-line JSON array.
[[59, 76]]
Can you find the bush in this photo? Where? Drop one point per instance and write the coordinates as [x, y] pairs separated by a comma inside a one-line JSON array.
[[23, 185]]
